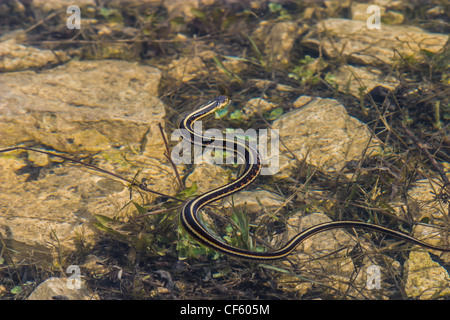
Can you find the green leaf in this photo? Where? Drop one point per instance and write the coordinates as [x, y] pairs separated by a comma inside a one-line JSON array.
[[110, 226], [104, 219], [221, 113], [140, 208], [275, 7], [255, 48], [275, 113], [271, 267], [236, 115], [188, 192], [330, 78], [16, 290], [306, 60]]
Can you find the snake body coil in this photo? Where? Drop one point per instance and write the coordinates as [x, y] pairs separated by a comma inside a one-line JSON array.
[[189, 213]]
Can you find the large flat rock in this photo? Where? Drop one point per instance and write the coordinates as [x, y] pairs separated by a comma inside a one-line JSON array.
[[105, 109], [352, 40]]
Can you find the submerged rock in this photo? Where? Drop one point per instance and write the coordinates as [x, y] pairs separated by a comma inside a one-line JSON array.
[[15, 56], [425, 279], [104, 109], [352, 40], [323, 133], [82, 106], [61, 289]]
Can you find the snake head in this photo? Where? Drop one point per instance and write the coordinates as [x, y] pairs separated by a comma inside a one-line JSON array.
[[222, 101]]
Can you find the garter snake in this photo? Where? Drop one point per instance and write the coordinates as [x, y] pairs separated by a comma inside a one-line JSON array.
[[189, 214]]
